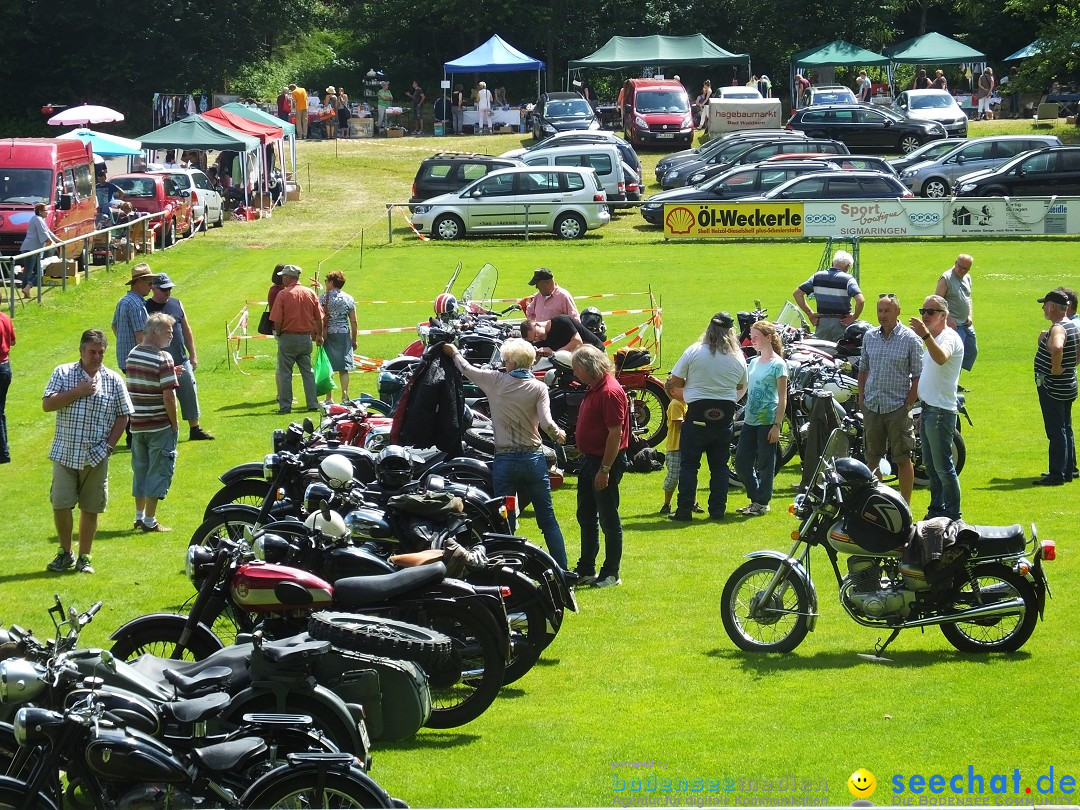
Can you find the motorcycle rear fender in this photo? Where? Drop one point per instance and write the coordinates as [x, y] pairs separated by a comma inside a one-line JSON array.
[[444, 468], [19, 788], [801, 572], [310, 766], [251, 470], [254, 510], [200, 633], [513, 544]]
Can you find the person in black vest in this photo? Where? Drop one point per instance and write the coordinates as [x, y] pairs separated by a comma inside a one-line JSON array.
[[561, 332], [1055, 379]]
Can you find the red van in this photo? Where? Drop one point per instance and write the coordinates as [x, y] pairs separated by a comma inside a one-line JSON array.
[[656, 113], [59, 173]]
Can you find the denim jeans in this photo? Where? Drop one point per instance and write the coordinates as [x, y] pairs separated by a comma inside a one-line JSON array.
[[5, 383], [755, 462], [936, 430], [513, 473], [971, 348], [153, 462], [715, 444], [1057, 420], [600, 510]]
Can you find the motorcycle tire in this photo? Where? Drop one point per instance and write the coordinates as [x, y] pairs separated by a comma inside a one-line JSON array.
[[13, 794], [468, 683], [648, 412], [229, 523], [247, 491], [986, 584], [789, 444], [378, 636], [770, 630], [959, 458], [162, 641], [530, 631], [310, 788]]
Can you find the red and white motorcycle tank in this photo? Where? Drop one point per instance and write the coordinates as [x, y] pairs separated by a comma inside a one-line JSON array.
[[257, 587]]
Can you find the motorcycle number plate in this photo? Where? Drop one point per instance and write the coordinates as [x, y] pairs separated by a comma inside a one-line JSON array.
[[364, 736]]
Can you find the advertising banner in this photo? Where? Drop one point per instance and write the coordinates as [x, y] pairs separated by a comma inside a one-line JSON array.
[[734, 220], [750, 113], [999, 216], [890, 218]]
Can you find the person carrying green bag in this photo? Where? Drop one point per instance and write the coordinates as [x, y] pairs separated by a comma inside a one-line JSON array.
[[324, 375]]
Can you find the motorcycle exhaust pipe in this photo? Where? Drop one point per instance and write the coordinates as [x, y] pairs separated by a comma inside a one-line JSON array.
[[984, 612]]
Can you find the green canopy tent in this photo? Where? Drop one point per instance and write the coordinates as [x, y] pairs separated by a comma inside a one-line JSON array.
[[833, 54], [658, 50], [933, 49]]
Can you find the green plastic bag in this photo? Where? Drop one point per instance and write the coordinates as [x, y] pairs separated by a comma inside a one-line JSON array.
[[324, 375]]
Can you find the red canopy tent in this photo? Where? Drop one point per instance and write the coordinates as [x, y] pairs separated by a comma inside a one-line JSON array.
[[267, 134]]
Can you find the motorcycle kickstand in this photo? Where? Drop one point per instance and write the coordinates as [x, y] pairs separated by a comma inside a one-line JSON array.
[[879, 648]]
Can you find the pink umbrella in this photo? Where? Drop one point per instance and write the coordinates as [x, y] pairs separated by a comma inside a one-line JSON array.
[[85, 114]]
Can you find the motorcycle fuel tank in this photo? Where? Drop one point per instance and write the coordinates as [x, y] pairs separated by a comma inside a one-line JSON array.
[[876, 520], [265, 588], [130, 756]]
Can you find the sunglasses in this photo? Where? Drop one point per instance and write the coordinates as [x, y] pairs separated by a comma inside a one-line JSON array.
[[925, 312], [891, 296]]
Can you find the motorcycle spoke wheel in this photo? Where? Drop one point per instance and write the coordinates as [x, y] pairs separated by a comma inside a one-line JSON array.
[[12, 797], [754, 624], [309, 789], [788, 446], [229, 523], [464, 687], [648, 413], [959, 455], [987, 585], [248, 492]]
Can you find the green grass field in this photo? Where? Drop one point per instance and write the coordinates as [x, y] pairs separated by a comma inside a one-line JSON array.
[[644, 674]]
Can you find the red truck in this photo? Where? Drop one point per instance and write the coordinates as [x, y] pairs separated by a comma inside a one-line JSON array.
[[159, 193]]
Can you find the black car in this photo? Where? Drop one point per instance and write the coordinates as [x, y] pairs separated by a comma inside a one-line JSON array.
[[726, 150], [558, 112], [864, 127], [449, 171], [1039, 173], [707, 149], [742, 181], [839, 186], [759, 151]]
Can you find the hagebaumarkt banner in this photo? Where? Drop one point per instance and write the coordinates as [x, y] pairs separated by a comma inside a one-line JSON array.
[[773, 220], [991, 216], [873, 218]]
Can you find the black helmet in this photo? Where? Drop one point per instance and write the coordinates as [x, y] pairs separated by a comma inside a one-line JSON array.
[[851, 342], [592, 320], [393, 467], [853, 471]]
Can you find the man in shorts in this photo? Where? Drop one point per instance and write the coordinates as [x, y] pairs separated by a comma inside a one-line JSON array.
[[889, 372], [92, 409]]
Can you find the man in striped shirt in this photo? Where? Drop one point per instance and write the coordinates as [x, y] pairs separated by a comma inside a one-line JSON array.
[[834, 290], [151, 381], [1055, 379], [92, 409]]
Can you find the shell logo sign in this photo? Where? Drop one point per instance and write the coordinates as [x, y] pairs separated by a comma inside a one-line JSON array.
[[734, 220]]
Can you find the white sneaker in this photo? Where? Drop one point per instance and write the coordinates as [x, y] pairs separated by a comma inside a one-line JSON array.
[[757, 509], [607, 582]]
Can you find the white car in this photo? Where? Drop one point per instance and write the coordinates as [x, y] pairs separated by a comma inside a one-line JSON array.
[[734, 93], [208, 207], [565, 200], [933, 105]]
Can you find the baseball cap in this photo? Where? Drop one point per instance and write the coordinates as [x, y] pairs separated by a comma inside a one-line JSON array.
[[291, 270], [163, 281], [541, 274], [724, 319], [1055, 297]]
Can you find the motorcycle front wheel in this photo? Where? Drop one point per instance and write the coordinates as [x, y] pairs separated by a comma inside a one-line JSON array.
[[988, 584], [754, 624], [228, 523], [337, 789], [161, 640], [13, 795], [247, 491], [464, 687]]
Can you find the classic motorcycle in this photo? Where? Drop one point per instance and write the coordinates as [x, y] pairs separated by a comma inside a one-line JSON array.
[[984, 586]]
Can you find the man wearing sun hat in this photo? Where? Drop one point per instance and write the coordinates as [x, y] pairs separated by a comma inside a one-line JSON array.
[[129, 318], [1055, 380], [297, 318]]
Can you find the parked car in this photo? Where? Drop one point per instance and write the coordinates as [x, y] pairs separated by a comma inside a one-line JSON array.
[[448, 171], [935, 178], [848, 163], [566, 200], [933, 105], [159, 193], [678, 174], [839, 186], [757, 152], [863, 127], [576, 136], [830, 94], [732, 93], [707, 149], [656, 112], [1042, 173], [558, 112], [742, 181], [930, 150], [603, 158], [208, 206]]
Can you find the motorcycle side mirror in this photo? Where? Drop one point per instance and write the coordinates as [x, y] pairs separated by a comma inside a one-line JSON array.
[[884, 467], [108, 660], [309, 427], [324, 510]]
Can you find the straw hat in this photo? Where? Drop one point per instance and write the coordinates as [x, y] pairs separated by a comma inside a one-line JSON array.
[[139, 272]]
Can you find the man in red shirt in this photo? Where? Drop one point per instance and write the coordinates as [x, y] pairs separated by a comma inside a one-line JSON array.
[[603, 434], [297, 319], [7, 340]]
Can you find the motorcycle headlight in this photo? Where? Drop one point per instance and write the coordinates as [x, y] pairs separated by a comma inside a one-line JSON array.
[[32, 725], [376, 441], [20, 680], [197, 558], [271, 464]]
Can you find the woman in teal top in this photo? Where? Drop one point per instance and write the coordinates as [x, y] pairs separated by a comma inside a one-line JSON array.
[[766, 401]]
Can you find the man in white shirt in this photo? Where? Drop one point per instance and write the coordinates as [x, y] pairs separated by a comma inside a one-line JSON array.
[[550, 299]]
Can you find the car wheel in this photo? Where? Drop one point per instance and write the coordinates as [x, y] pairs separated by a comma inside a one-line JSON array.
[[220, 217], [909, 143], [994, 191], [936, 188], [570, 226], [168, 234], [448, 228]]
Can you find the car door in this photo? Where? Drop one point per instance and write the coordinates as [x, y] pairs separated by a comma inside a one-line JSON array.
[[845, 125], [538, 194], [1035, 176], [739, 184], [492, 204], [973, 157], [875, 130]]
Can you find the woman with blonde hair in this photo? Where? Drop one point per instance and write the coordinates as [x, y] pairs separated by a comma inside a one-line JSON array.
[[766, 401]]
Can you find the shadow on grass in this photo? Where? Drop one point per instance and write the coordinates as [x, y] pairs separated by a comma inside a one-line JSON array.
[[1009, 484], [431, 740], [247, 406], [768, 664]]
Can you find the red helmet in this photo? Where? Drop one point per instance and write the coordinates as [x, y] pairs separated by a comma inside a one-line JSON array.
[[445, 304]]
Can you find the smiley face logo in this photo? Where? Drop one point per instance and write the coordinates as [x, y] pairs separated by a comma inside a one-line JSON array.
[[862, 784]]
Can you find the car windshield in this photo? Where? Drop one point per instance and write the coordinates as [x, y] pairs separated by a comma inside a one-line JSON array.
[[934, 102], [833, 97], [25, 186], [740, 94], [662, 101], [136, 186], [932, 151], [563, 109]]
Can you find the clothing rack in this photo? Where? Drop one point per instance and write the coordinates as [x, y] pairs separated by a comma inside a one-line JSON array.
[[170, 107]]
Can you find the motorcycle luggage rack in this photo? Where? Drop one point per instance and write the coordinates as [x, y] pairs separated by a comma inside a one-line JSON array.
[[285, 720]]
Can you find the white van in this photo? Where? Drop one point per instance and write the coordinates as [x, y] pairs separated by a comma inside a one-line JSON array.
[[602, 158]]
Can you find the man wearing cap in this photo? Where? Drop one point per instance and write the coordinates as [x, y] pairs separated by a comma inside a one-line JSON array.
[[834, 290], [943, 355], [299, 106], [129, 317], [560, 333], [297, 319], [955, 287], [182, 350], [550, 299], [1055, 380]]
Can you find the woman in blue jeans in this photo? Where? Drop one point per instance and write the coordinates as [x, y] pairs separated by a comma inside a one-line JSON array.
[[766, 400], [519, 407]]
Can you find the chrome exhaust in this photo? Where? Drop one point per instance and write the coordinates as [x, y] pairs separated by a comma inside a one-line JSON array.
[[984, 612]]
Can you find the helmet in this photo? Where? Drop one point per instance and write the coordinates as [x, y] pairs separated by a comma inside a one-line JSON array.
[[446, 304], [337, 470], [592, 320], [851, 342], [333, 527], [563, 360], [854, 472], [393, 467]]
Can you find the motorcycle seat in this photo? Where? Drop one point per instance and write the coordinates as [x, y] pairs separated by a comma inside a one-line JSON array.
[[360, 591], [195, 709], [293, 649], [999, 540], [234, 660], [227, 756], [212, 678]]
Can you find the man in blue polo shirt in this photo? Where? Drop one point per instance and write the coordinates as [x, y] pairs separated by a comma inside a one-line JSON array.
[[834, 290]]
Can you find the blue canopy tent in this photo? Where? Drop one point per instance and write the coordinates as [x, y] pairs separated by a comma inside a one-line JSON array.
[[104, 144], [494, 56], [1028, 50]]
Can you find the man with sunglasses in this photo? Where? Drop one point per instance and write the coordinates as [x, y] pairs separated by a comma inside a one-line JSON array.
[[942, 358], [955, 287], [889, 371]]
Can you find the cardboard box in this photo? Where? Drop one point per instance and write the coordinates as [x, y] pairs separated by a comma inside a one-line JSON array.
[[395, 132], [362, 127], [58, 268], [294, 192], [503, 129], [123, 251], [1070, 120]]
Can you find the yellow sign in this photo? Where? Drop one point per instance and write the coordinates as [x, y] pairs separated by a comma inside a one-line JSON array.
[[862, 784], [734, 219]]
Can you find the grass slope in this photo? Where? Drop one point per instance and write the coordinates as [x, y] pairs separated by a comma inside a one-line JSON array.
[[645, 673]]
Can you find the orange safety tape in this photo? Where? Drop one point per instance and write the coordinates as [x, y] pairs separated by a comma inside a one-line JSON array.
[[413, 227]]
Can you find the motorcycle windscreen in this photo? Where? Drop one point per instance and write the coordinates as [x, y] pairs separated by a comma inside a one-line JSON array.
[[478, 295]]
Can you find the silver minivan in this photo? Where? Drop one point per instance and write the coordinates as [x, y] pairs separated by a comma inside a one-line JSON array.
[[602, 158], [935, 178]]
